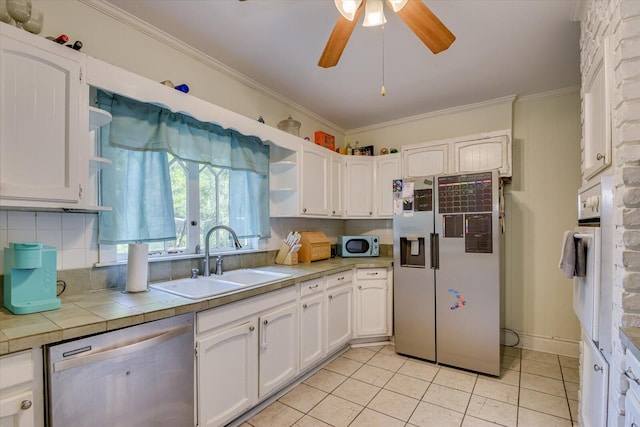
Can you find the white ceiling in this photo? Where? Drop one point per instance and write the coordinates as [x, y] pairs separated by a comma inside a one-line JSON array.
[[503, 47]]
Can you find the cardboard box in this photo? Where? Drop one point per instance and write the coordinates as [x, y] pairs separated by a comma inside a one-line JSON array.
[[326, 140]]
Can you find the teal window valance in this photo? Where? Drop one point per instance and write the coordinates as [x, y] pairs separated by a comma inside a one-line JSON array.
[[138, 186]]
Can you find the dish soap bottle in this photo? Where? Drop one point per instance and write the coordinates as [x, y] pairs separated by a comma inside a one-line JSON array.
[[348, 147]]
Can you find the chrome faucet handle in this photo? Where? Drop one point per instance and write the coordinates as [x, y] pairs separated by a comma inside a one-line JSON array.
[[219, 265], [194, 273]]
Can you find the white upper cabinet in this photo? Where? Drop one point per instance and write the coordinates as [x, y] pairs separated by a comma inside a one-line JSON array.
[[482, 154], [41, 91], [337, 185], [597, 116], [315, 180], [359, 186], [387, 169], [472, 153], [421, 160]]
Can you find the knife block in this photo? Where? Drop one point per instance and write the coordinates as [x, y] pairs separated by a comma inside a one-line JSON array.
[[285, 256]]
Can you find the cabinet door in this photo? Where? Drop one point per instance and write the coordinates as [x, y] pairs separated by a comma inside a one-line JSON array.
[[594, 380], [339, 316], [359, 187], [17, 410], [371, 308], [315, 181], [278, 348], [387, 169], [482, 155], [337, 185], [39, 125], [597, 115], [227, 373], [311, 329], [429, 160]]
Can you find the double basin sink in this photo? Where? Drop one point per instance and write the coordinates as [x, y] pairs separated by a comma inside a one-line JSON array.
[[205, 287]]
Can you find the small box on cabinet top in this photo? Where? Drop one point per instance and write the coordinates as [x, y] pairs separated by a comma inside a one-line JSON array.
[[326, 140]]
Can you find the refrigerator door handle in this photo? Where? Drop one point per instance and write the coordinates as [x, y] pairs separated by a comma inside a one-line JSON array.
[[435, 251]]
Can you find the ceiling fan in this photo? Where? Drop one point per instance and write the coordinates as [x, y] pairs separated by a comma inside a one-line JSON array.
[[414, 13]]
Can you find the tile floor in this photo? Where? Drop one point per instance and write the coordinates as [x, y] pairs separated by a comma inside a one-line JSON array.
[[373, 386]]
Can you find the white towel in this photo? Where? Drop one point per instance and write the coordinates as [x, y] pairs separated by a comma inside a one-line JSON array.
[[568, 255]]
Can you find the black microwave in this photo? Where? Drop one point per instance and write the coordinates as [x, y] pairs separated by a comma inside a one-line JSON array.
[[358, 246]]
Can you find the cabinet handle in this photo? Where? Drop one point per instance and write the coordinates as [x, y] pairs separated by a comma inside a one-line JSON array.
[[372, 274], [597, 368], [629, 374], [252, 328], [341, 278], [370, 213], [304, 210], [333, 212], [359, 286], [26, 404], [314, 286], [266, 322], [330, 296], [304, 305], [599, 156]]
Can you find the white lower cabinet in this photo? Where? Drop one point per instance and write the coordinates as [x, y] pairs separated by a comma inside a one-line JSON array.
[[21, 390], [278, 358], [339, 301], [312, 319], [372, 294], [244, 351], [227, 373], [594, 382]]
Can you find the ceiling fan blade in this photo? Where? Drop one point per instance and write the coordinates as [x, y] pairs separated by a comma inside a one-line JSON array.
[[419, 18], [338, 39]]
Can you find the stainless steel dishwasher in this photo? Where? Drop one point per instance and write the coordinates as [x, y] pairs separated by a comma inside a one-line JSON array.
[[137, 376]]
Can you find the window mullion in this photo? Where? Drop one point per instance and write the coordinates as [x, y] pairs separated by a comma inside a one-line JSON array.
[[193, 207]]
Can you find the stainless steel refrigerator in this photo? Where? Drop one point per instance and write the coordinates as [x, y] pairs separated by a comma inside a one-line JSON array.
[[446, 234]]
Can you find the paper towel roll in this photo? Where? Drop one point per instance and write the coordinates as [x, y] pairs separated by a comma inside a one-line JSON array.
[[137, 267]]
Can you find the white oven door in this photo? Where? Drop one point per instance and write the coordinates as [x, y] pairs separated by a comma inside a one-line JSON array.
[[586, 290]]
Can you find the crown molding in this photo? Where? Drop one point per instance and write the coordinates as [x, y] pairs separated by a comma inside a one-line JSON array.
[[174, 43], [555, 92], [509, 98]]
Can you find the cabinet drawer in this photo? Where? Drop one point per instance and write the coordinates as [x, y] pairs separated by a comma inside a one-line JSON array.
[[371, 273], [312, 286], [339, 278], [16, 369]]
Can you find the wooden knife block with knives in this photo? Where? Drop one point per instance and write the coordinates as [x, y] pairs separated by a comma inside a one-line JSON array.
[[288, 254]]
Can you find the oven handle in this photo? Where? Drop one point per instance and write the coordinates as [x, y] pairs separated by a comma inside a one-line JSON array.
[[119, 351], [582, 236]]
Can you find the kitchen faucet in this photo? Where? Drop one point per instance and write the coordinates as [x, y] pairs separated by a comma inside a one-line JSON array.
[[206, 248]]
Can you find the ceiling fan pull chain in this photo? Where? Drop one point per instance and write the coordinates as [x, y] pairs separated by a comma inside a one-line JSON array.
[[383, 91]]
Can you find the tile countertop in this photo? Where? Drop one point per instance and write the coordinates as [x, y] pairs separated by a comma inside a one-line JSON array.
[[630, 338], [88, 313]]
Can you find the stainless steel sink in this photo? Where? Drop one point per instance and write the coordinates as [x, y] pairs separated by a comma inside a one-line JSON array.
[[205, 287]]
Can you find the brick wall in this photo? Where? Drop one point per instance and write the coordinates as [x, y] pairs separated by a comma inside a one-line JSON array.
[[619, 20]]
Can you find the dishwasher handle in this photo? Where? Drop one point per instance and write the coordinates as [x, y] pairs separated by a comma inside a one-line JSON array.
[[119, 351]]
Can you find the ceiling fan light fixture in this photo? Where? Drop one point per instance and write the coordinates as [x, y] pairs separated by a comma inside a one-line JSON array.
[[373, 13], [348, 8], [396, 5]]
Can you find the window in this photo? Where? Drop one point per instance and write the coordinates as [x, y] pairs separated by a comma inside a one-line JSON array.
[[174, 177], [199, 191]]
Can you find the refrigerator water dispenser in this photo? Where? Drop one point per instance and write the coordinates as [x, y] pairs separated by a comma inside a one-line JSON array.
[[412, 253]]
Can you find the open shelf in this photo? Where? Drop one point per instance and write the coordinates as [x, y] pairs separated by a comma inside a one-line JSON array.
[[98, 117]]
